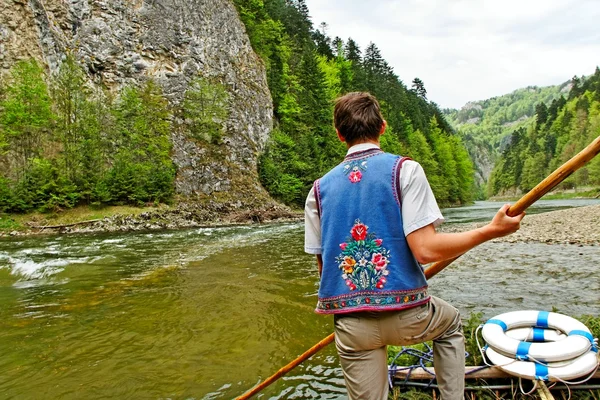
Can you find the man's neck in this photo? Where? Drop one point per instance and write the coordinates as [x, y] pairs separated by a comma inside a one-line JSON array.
[[375, 142]]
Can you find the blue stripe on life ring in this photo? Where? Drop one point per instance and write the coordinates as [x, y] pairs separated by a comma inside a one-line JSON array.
[[585, 334], [542, 319], [523, 351], [538, 335], [541, 371], [498, 322]]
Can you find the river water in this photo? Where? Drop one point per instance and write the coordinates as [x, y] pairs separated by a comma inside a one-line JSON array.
[[207, 313]]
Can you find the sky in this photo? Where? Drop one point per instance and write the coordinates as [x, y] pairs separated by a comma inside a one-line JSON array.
[[467, 50]]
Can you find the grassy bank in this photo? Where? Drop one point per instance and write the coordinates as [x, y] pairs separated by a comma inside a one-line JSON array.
[[24, 222]]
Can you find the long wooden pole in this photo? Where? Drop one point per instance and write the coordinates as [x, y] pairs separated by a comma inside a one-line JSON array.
[[559, 175]]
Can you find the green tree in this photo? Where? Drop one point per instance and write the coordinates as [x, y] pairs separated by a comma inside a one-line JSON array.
[[280, 168], [205, 109], [70, 96], [541, 114], [26, 118], [306, 71], [419, 88], [323, 42], [98, 126], [142, 170]]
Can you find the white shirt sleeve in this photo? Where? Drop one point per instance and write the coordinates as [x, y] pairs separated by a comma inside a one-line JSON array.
[[312, 225], [419, 207]]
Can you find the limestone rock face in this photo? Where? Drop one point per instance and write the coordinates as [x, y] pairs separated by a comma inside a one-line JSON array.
[[172, 41]]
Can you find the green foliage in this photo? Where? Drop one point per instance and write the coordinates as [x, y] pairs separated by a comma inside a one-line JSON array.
[[205, 110], [142, 171], [279, 168], [80, 146], [6, 195], [390, 143], [307, 71], [44, 188], [26, 117], [70, 97], [8, 224], [471, 347], [531, 132], [408, 358], [559, 133]]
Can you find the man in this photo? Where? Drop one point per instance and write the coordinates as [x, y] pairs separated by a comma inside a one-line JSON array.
[[371, 223]]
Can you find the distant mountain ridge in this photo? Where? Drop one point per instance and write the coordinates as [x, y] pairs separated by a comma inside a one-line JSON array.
[[517, 139], [485, 126], [500, 115]]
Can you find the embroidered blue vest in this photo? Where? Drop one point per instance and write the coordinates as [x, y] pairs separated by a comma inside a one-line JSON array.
[[367, 264]]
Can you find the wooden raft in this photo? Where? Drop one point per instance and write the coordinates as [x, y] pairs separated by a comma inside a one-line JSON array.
[[420, 374]]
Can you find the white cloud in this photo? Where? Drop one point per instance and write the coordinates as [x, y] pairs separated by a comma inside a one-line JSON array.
[[471, 50]]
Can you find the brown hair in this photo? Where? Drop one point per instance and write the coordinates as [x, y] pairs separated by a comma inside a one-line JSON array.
[[357, 117]]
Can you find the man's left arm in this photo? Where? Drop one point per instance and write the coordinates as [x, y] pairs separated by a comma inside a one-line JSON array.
[[428, 246]]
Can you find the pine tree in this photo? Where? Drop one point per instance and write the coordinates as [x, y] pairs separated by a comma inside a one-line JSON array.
[[352, 51], [541, 112], [323, 42], [419, 88]]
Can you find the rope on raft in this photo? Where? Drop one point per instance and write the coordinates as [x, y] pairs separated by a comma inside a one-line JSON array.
[[423, 357]]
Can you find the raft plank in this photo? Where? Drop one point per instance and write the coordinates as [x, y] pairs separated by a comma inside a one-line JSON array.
[[420, 374]]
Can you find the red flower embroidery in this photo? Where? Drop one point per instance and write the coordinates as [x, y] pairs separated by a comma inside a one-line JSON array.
[[359, 231], [379, 261], [355, 176], [351, 285], [368, 271]]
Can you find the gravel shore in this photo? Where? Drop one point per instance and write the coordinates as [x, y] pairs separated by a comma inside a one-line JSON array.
[[579, 225]]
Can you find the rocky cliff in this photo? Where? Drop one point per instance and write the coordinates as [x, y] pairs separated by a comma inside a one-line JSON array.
[[172, 41]]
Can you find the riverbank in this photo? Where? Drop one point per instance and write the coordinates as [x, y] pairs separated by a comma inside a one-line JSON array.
[[579, 225], [130, 219], [574, 225]]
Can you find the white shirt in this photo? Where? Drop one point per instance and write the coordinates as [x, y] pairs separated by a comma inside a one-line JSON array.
[[419, 207]]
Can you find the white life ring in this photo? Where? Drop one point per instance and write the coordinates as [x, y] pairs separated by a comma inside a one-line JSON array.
[[534, 334], [579, 339], [583, 365]]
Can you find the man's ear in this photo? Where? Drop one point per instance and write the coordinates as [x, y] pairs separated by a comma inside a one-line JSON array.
[[342, 139], [383, 126]]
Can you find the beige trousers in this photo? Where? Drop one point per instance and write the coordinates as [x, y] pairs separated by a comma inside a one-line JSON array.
[[361, 339]]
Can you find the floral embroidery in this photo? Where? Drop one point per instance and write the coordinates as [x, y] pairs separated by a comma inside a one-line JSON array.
[[380, 300], [363, 260], [353, 170]]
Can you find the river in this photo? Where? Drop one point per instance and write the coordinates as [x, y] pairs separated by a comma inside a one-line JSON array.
[[207, 313]]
